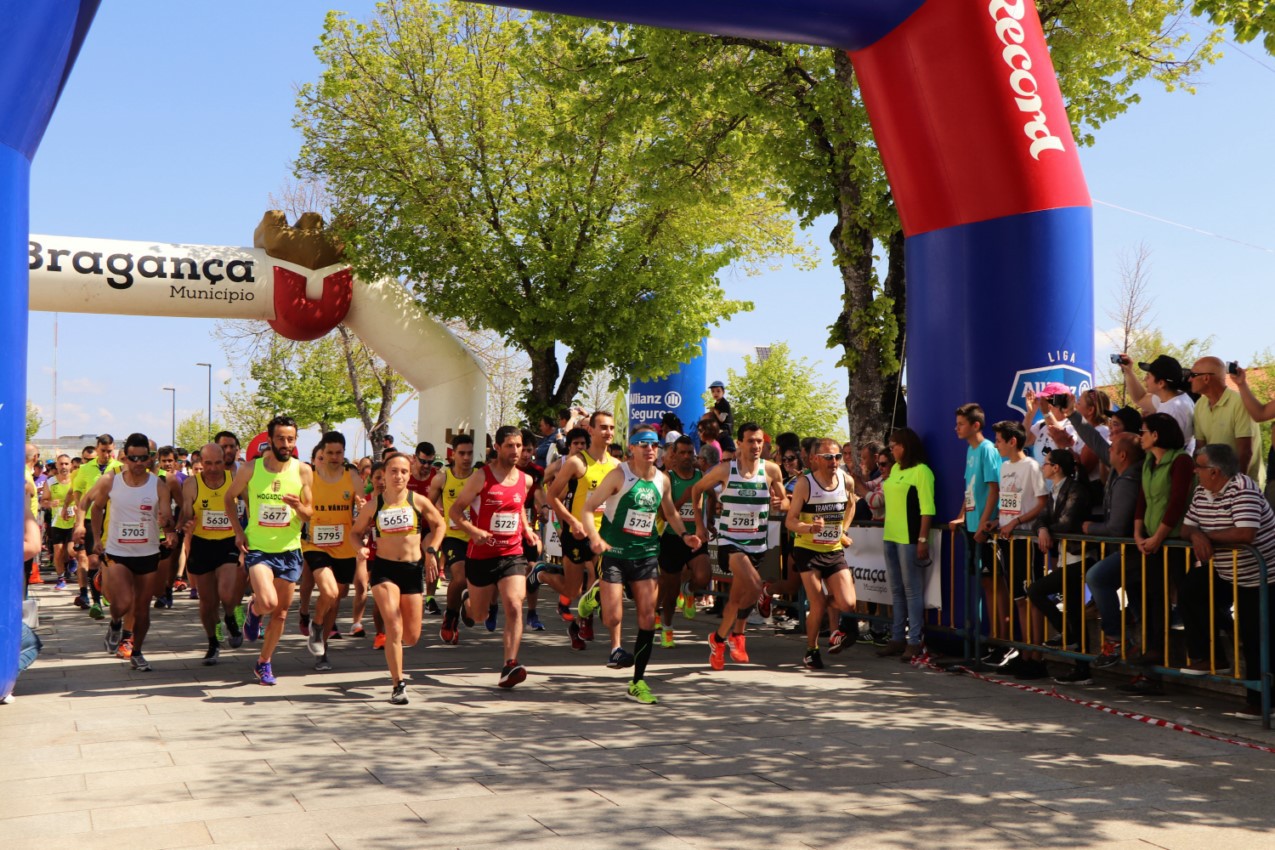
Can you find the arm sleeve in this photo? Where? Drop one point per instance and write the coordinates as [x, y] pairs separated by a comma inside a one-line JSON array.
[[1180, 476], [1126, 493], [925, 490], [1045, 518], [1090, 437]]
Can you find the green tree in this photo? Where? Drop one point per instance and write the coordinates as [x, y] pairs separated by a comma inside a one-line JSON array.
[[34, 420], [193, 431], [781, 394], [497, 163], [1247, 18]]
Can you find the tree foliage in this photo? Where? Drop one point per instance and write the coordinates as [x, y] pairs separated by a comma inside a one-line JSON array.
[[35, 421], [782, 393], [193, 432], [528, 184], [1247, 18]]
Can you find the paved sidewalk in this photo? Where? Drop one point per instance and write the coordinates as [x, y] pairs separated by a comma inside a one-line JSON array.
[[868, 753]]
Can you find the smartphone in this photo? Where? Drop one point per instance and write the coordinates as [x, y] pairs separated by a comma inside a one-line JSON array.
[[1233, 368], [1117, 360]]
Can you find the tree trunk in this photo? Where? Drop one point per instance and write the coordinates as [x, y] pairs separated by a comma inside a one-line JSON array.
[[894, 405]]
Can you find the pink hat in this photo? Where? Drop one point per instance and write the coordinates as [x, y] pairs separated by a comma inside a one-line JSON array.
[[1053, 388]]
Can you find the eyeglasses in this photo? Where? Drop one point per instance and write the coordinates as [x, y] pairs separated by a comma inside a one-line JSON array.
[[1202, 467], [830, 456], [790, 458], [1191, 375], [424, 460], [138, 458]]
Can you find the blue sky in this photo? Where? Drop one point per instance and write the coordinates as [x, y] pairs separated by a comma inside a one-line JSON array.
[[177, 124]]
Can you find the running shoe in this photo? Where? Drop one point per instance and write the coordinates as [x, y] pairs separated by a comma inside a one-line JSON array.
[[263, 673], [80, 602], [1110, 655], [813, 660], [357, 631], [95, 610], [431, 606], [586, 628], [716, 652], [639, 692], [666, 639], [314, 642], [252, 625], [240, 615], [159, 603], [588, 602], [335, 634], [194, 593], [533, 622], [448, 633], [464, 604], [533, 577], [490, 622], [564, 609], [139, 662], [1075, 676], [113, 637], [511, 674], [620, 659], [125, 649], [236, 633], [219, 633], [399, 695], [180, 585], [213, 653], [738, 652], [764, 600], [836, 641], [881, 638], [573, 631], [323, 664], [61, 584], [378, 642], [688, 603], [305, 624]]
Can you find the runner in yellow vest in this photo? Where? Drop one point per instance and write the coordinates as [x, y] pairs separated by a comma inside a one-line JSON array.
[[55, 493], [213, 564], [580, 475], [278, 490], [93, 468], [443, 491]]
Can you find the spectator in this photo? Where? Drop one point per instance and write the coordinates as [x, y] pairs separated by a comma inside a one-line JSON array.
[[1119, 503], [670, 428], [1038, 436], [709, 430], [1065, 512], [1220, 416], [978, 507], [550, 437], [387, 445], [1021, 499], [1163, 392], [1227, 509], [1092, 412], [1260, 413], [909, 514], [721, 407]]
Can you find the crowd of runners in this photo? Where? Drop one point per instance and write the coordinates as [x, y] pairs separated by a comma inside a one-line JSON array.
[[127, 527]]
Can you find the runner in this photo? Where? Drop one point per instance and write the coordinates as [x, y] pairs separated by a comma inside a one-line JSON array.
[[537, 509], [421, 481], [230, 450], [93, 467], [61, 528], [328, 548], [139, 513], [497, 530], [634, 495], [443, 492], [820, 514], [277, 487], [684, 572], [751, 488], [165, 467], [398, 519], [214, 558], [580, 476]]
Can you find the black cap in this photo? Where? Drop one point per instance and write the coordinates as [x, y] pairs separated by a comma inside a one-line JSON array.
[[1166, 369], [1130, 417]]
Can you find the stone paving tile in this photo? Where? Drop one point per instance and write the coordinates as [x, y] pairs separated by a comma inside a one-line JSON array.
[[169, 837]]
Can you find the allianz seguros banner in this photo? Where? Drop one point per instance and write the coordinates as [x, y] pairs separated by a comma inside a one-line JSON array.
[[866, 559], [1072, 377], [681, 393]]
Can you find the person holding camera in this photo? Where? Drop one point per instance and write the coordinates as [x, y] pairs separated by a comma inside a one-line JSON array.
[[1046, 402], [1260, 413], [1220, 417], [1162, 390]]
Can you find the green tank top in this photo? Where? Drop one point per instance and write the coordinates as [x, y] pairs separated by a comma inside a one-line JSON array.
[[57, 498], [628, 518], [272, 525], [745, 510], [680, 485]]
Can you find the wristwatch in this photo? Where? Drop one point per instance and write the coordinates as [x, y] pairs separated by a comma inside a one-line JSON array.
[[430, 550]]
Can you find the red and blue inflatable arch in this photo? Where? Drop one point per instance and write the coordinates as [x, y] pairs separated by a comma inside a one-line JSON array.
[[970, 123]]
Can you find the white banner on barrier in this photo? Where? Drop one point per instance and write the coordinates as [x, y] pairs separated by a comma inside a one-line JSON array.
[[866, 559]]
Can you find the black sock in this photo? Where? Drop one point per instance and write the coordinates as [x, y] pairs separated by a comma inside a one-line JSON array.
[[231, 624], [127, 634], [116, 625], [642, 653], [97, 594], [849, 624]]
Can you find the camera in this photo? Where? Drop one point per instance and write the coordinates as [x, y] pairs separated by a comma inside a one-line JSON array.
[[1233, 367], [1118, 360], [1059, 400]]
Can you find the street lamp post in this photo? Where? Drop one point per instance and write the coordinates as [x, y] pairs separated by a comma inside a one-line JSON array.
[[173, 390], [208, 366]]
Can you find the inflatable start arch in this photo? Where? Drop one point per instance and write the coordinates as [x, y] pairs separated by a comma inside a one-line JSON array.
[[976, 143]]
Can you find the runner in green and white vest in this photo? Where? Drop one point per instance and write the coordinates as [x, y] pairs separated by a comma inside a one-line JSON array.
[[681, 568], [633, 496], [751, 489]]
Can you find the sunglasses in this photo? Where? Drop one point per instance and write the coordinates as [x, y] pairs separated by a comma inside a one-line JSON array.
[[830, 456], [138, 458], [790, 458]]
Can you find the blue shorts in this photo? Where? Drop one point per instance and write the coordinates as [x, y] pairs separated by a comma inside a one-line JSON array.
[[284, 565]]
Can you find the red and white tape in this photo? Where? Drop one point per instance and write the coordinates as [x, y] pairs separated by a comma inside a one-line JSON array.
[[926, 661]]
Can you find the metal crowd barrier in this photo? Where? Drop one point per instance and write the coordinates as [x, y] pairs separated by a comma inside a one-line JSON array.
[[1010, 577]]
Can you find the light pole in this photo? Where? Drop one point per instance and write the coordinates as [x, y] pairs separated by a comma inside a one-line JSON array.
[[208, 366], [173, 390]]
